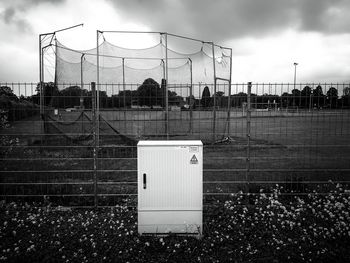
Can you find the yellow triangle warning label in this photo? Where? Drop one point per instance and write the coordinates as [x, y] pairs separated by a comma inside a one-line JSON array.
[[194, 160]]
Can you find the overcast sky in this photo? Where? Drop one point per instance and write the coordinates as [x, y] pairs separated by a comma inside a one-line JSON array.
[[267, 36]]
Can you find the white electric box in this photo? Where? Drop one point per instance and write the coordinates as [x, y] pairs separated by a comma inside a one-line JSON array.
[[170, 187]]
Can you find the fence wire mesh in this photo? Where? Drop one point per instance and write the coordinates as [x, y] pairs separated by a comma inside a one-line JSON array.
[[297, 136]]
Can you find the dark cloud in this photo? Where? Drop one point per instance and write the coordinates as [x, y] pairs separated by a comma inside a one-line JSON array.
[[38, 2], [10, 17], [325, 16], [226, 19], [15, 11]]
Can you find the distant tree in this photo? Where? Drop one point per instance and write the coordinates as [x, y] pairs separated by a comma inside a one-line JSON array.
[[238, 99], [332, 92], [149, 93], [317, 96], [306, 91], [346, 91], [219, 93], [332, 97], [191, 101], [346, 97], [221, 100], [286, 99], [296, 97], [305, 96], [124, 98], [50, 92], [205, 100], [69, 97], [7, 91]]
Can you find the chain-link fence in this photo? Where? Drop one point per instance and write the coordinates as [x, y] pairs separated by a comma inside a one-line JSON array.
[[81, 151]]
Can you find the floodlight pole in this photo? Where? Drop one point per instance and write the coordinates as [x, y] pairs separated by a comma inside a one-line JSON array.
[[295, 78]]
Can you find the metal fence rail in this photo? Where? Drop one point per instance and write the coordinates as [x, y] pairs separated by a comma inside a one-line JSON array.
[[76, 154]]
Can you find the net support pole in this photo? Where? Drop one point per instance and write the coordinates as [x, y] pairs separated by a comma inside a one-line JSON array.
[[124, 100], [81, 81], [41, 87], [94, 132], [42, 92], [249, 88], [229, 97], [81, 99], [98, 89], [97, 117], [191, 99], [214, 96], [163, 66], [166, 89]]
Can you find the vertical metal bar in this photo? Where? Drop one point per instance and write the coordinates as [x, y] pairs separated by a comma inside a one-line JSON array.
[[124, 100], [97, 116], [40, 78], [42, 124], [295, 78], [229, 97], [98, 95], [81, 82], [94, 132], [310, 102], [191, 99], [166, 89], [42, 85], [81, 100], [214, 97], [248, 133]]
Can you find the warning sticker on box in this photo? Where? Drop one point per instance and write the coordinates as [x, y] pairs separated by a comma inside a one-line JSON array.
[[194, 160]]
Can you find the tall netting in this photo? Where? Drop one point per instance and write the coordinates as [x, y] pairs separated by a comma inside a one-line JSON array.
[[122, 75], [80, 66]]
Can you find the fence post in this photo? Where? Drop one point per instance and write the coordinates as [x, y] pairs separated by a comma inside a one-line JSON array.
[[248, 134], [94, 128], [192, 101]]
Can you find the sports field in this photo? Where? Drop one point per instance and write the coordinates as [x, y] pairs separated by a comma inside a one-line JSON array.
[[298, 150]]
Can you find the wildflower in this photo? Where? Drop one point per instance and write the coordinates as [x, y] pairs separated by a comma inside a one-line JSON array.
[[31, 248]]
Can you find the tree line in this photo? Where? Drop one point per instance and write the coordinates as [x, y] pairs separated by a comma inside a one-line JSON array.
[[151, 94]]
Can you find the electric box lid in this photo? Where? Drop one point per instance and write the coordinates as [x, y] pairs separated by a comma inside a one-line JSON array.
[[171, 143]]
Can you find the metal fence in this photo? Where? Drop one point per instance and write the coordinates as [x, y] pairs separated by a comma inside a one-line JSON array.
[[81, 151]]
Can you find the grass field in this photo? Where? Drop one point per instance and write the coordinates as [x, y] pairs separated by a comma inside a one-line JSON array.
[[298, 150]]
